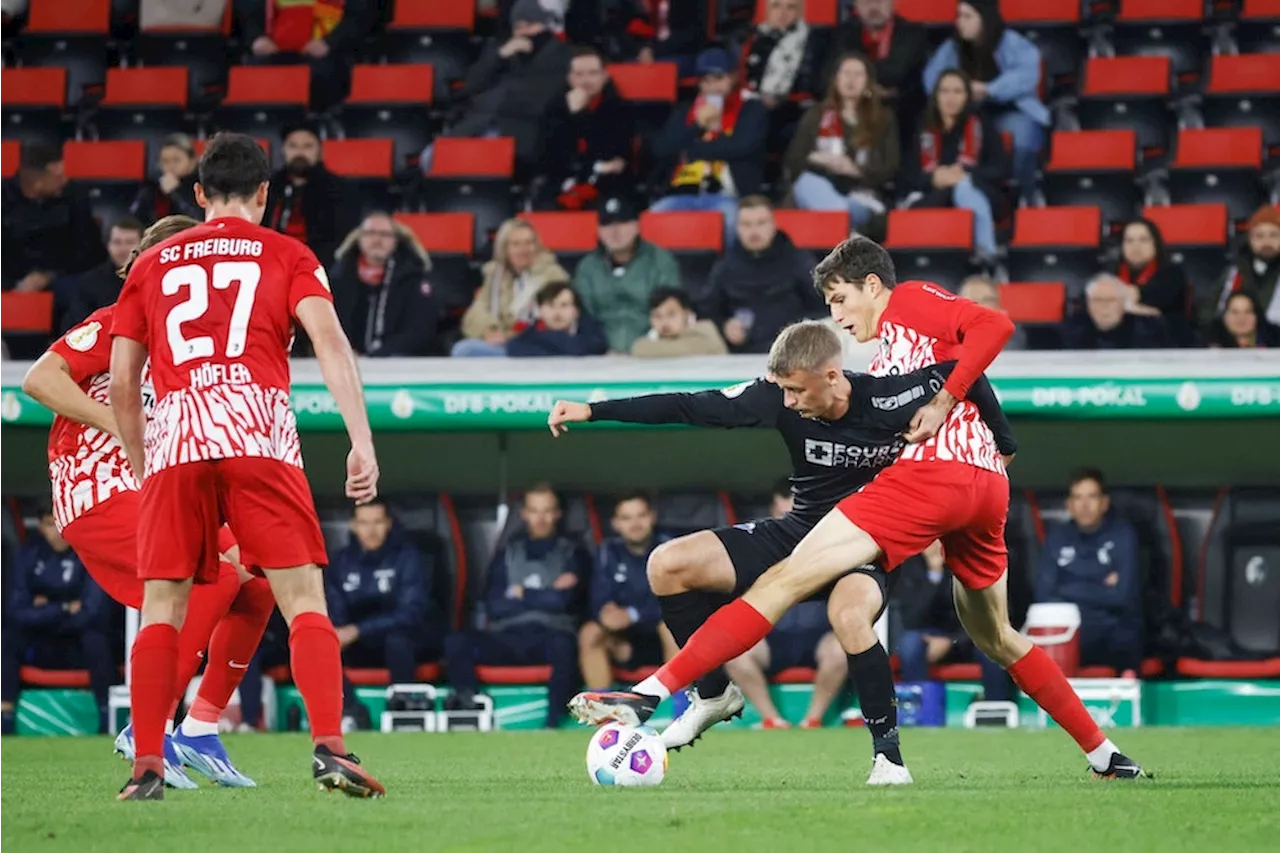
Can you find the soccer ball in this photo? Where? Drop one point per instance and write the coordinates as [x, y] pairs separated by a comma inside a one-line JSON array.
[[627, 756]]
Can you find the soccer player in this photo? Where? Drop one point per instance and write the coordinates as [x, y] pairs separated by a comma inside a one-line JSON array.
[[214, 307], [95, 502], [949, 483], [840, 429]]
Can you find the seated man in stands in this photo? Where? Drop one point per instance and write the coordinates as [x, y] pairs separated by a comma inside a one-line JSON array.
[[307, 201], [531, 608], [56, 618], [674, 330], [1092, 561], [984, 291], [625, 625], [803, 637], [379, 595]]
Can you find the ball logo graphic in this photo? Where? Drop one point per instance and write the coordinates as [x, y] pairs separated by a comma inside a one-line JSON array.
[[640, 761], [608, 738]]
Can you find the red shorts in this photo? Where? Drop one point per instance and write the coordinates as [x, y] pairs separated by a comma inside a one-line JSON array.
[[910, 504], [267, 504]]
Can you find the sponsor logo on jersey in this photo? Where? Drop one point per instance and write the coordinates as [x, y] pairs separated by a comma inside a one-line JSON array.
[[736, 390], [83, 338], [832, 454]]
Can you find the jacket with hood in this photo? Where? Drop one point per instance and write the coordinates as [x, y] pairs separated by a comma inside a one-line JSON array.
[[586, 338], [397, 318], [326, 202], [619, 296], [700, 338], [382, 591], [775, 285], [506, 299]]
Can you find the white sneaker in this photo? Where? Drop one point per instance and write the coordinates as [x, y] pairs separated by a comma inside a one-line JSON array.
[[885, 772], [701, 715]]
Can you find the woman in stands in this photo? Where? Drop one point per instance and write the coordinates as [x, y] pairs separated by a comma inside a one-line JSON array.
[[846, 148], [1005, 69], [959, 160], [1242, 326], [173, 190], [1157, 286]]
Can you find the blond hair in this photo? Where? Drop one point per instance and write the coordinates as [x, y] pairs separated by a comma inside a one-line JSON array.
[[809, 345], [159, 231]]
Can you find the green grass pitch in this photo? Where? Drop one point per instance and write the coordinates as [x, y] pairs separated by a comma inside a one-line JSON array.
[[1216, 790]]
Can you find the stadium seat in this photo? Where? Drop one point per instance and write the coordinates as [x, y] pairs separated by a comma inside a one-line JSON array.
[[1196, 237], [1055, 244], [263, 100], [109, 171], [1034, 301], [1094, 167], [695, 238], [473, 175], [34, 102], [449, 238], [1257, 28], [434, 32], [70, 34], [367, 165], [1053, 26], [144, 103], [513, 674], [931, 244], [200, 50], [11, 158], [391, 102], [26, 312], [1219, 165], [1172, 28], [373, 677], [65, 679], [956, 672], [939, 16], [795, 675], [569, 234], [815, 230], [632, 676], [1252, 669], [651, 89], [1244, 91], [1128, 93]]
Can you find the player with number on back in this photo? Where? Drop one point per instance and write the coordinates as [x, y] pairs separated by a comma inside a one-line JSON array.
[[949, 483], [215, 308]]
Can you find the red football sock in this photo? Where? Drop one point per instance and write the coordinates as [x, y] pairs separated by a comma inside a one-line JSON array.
[[316, 660], [1041, 679], [153, 668], [732, 630], [207, 605], [234, 642]]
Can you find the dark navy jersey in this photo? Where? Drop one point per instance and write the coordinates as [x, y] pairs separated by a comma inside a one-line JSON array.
[[829, 459]]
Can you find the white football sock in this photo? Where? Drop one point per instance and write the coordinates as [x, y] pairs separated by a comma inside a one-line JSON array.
[[1100, 758], [191, 727], [168, 727], [651, 686]]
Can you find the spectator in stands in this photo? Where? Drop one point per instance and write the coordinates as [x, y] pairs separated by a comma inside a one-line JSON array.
[[562, 327], [762, 283], [802, 638], [180, 14], [589, 137], [716, 143], [48, 231], [323, 34], [897, 47], [846, 148], [777, 59], [982, 290], [625, 624], [381, 291], [531, 608], [379, 593], [1256, 269], [1158, 287], [675, 330], [504, 305], [1107, 323], [1004, 68], [101, 285], [931, 633], [57, 616], [173, 192], [1092, 561], [1241, 325], [508, 89], [306, 200], [658, 31], [959, 161], [616, 281]]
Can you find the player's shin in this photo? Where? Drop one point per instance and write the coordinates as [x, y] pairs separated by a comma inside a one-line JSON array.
[[154, 666], [315, 658], [852, 609], [731, 631], [683, 613]]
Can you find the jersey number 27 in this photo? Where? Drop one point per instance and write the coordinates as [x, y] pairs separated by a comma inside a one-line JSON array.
[[196, 280]]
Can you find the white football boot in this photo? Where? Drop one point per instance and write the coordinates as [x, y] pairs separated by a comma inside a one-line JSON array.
[[885, 772], [701, 715]]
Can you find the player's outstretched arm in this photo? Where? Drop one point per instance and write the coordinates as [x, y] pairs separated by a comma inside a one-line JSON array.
[[342, 377], [125, 393], [749, 404], [49, 383]]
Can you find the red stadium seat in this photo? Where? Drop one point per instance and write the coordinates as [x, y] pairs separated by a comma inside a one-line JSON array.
[[943, 228], [34, 87], [450, 233], [434, 15], [199, 145], [1260, 10], [1152, 668], [1236, 147], [1126, 75], [513, 674], [631, 676], [1057, 226], [106, 161], [474, 158], [1093, 150], [1034, 301], [69, 16], [268, 84], [956, 672], [11, 158], [149, 86], [684, 231], [26, 312], [359, 158], [1094, 167], [817, 230], [1095, 672], [1040, 11], [362, 677], [1257, 72], [279, 674], [1268, 668], [1140, 11], [67, 679], [1190, 224], [937, 12], [637, 81], [795, 675], [568, 231], [392, 84], [817, 13]]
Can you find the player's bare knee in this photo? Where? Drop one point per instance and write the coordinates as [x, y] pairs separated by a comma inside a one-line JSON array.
[[591, 636], [669, 568], [851, 610], [165, 603]]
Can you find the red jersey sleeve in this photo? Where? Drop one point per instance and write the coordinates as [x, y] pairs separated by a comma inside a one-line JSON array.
[[129, 319], [307, 278], [87, 348], [932, 311]]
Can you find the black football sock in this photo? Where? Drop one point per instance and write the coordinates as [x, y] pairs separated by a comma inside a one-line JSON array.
[[872, 678], [683, 614]]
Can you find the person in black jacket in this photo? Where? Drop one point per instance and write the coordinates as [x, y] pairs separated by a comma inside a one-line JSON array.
[[586, 155], [960, 160], [100, 286], [327, 47], [898, 48], [762, 283], [1106, 324], [562, 327], [381, 292], [173, 192], [306, 200], [1158, 286]]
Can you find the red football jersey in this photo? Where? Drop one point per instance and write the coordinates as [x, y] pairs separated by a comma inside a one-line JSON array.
[[215, 306], [922, 325], [86, 465]]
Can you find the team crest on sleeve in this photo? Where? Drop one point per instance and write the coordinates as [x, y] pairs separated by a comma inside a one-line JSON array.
[[83, 338], [736, 390], [323, 278]]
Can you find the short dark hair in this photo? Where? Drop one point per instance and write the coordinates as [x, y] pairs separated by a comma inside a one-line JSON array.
[[552, 291], [852, 261], [1081, 475], [38, 156], [128, 223], [662, 294], [378, 502], [582, 50], [632, 496], [233, 166], [781, 489], [542, 488], [756, 200]]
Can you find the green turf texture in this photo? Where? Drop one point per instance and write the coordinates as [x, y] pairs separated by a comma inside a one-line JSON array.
[[1216, 790]]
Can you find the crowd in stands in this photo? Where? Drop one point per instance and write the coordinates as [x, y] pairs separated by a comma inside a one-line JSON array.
[[854, 109]]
